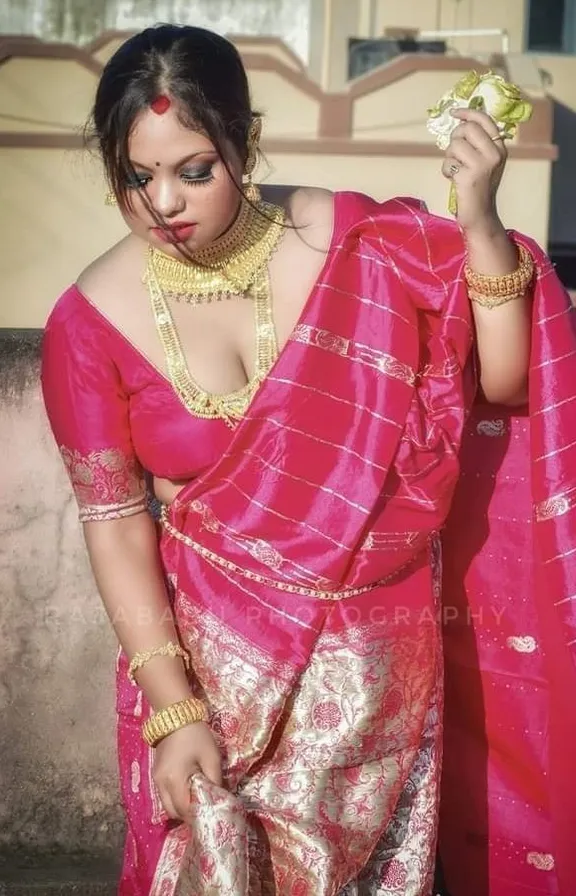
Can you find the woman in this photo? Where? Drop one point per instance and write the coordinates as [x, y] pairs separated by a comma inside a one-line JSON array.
[[279, 684]]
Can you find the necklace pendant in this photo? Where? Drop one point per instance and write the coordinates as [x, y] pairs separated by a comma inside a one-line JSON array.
[[239, 267]]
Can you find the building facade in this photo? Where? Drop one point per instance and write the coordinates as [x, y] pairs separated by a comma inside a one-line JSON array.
[[368, 134], [534, 41]]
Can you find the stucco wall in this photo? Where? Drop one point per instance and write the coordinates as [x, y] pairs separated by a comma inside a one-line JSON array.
[[54, 222], [398, 111], [58, 786], [40, 256], [53, 95], [332, 22], [432, 15], [383, 177], [287, 109]]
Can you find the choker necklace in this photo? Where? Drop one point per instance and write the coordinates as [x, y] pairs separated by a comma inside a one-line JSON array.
[[236, 264], [229, 266]]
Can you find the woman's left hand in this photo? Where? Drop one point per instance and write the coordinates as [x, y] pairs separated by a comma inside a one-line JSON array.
[[475, 162]]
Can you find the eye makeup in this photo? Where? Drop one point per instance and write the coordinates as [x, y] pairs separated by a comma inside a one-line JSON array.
[[192, 177]]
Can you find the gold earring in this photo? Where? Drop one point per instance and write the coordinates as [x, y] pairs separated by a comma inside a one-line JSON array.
[[110, 198], [250, 189]]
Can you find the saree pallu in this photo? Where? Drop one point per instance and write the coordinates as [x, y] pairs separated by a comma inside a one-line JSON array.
[[510, 632], [305, 570]]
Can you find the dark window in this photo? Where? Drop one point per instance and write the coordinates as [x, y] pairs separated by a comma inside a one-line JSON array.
[[364, 55], [551, 26]]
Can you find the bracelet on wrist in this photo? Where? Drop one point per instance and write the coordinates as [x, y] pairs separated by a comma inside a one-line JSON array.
[[491, 290], [172, 718], [170, 649]]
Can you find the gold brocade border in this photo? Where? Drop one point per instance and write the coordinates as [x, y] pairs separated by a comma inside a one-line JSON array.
[[355, 351], [217, 560], [170, 862], [89, 513]]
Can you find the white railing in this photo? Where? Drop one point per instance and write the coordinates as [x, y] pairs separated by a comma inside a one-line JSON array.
[[469, 32]]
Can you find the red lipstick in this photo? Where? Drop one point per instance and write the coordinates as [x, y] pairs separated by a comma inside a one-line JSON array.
[[179, 232]]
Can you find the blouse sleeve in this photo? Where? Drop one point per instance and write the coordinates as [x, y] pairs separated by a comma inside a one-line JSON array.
[[88, 411]]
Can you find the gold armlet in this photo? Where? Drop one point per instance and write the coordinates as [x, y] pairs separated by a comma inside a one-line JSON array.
[[144, 656], [175, 716], [491, 291]]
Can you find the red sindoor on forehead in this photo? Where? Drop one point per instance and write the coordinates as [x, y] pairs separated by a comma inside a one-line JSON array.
[[160, 105]]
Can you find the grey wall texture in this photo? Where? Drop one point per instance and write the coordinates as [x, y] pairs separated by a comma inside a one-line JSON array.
[[58, 786]]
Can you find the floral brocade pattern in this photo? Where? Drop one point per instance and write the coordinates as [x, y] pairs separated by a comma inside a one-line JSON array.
[[216, 860], [323, 776], [108, 483], [402, 862]]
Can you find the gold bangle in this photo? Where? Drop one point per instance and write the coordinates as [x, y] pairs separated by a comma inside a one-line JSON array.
[[174, 717], [144, 656], [492, 290], [488, 302]]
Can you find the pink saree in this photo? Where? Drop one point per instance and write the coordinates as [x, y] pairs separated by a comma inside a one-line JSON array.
[[304, 564], [510, 632]]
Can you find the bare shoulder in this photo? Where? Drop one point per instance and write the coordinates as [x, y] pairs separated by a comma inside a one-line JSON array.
[[113, 269], [309, 209]]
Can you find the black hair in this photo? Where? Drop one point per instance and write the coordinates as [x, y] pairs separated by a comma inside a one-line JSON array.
[[202, 72]]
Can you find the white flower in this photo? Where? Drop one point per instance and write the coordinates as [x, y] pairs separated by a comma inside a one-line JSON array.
[[489, 93]]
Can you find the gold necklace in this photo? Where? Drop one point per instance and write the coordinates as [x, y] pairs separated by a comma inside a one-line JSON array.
[[233, 406], [227, 267]]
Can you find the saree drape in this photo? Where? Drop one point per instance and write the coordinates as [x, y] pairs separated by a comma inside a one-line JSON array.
[[327, 706], [305, 570], [510, 632]]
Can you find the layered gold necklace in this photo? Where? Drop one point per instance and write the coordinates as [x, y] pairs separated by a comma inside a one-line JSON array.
[[235, 264]]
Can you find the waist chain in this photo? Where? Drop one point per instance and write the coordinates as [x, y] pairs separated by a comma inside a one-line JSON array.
[[218, 561]]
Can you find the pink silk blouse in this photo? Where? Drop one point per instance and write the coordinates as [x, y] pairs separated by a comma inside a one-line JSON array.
[[114, 414]]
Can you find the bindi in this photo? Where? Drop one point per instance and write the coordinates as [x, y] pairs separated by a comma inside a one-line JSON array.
[[160, 105]]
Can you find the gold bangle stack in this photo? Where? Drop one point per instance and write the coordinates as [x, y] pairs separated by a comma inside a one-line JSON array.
[[144, 656], [171, 719], [491, 291]]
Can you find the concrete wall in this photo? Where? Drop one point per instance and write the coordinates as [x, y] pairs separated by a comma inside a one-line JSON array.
[[58, 787], [38, 261], [296, 115], [397, 111]]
